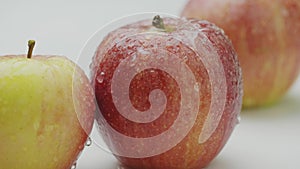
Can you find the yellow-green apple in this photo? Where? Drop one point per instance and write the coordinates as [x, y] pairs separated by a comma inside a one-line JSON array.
[[265, 35], [46, 111], [169, 92]]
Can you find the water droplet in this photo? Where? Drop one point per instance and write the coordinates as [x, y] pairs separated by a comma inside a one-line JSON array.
[[74, 165], [88, 142], [285, 12], [196, 87], [121, 167], [133, 58], [100, 78], [132, 64], [238, 121], [185, 58]]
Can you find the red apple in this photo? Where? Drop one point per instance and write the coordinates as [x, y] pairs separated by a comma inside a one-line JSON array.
[[168, 92], [46, 111], [265, 35]]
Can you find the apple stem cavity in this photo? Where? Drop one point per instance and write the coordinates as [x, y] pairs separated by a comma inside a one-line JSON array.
[[158, 22], [31, 44]]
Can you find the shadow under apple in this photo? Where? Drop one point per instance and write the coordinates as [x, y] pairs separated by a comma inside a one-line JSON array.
[[287, 107]]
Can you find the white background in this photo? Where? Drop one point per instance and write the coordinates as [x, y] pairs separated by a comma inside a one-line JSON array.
[[266, 138]]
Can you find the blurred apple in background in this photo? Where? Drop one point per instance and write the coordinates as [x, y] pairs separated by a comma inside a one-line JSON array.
[[265, 35], [46, 111], [169, 92]]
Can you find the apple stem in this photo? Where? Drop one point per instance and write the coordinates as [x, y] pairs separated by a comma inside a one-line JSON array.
[[158, 22], [31, 44]]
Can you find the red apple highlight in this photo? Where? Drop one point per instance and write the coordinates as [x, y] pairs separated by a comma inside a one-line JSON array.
[[265, 35], [46, 111], [169, 92]]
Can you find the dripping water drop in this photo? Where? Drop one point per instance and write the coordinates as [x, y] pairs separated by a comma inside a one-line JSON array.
[[238, 121], [74, 165], [88, 142]]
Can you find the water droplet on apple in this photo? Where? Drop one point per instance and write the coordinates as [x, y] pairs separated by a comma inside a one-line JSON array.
[[238, 119], [74, 165], [133, 61], [222, 31], [100, 78], [196, 87], [285, 12], [88, 142], [121, 167], [152, 71], [133, 58], [144, 52], [185, 58]]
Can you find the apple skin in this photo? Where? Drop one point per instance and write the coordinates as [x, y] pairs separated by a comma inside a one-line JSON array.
[[265, 35], [139, 44], [41, 123]]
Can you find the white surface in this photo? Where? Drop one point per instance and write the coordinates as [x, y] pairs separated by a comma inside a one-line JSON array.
[[267, 138]]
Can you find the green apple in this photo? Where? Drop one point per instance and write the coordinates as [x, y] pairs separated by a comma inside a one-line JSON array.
[[46, 111]]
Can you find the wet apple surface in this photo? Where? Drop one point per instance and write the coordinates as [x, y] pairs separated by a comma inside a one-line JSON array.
[[169, 96], [265, 138]]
